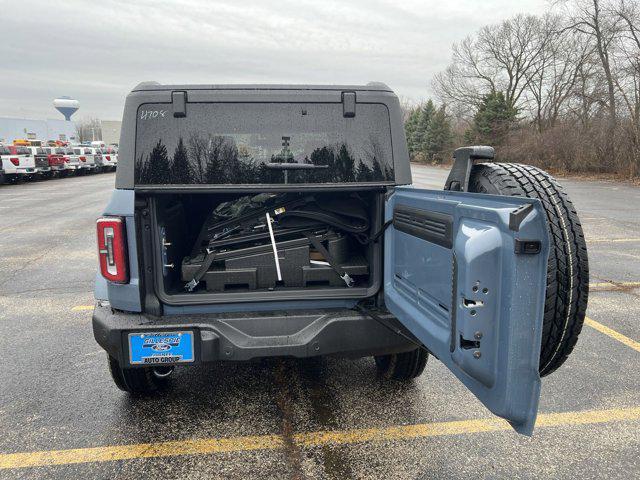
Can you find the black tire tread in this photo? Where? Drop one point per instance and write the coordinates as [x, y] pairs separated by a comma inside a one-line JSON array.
[[568, 267], [403, 366], [137, 381]]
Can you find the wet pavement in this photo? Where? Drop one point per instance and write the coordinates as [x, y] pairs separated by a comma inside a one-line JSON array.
[[260, 420]]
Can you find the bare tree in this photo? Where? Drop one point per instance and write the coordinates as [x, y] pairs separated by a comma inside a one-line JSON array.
[[498, 59], [594, 19], [89, 129], [553, 82], [627, 62]]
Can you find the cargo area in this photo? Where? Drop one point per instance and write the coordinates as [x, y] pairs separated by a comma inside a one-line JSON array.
[[213, 248]]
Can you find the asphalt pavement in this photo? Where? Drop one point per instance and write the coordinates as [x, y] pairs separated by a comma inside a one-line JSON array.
[[62, 417]]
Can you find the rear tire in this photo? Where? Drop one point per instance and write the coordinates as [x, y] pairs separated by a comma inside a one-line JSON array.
[[567, 268], [402, 366], [138, 381]]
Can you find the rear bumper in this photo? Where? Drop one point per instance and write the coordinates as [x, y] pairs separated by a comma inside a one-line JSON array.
[[22, 171], [246, 336]]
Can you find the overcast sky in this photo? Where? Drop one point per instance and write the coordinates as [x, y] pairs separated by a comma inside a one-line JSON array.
[[96, 52]]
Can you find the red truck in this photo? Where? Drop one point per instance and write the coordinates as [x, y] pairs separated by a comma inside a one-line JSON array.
[[55, 157]]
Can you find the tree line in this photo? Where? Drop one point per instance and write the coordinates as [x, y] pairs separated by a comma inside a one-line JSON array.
[[561, 90], [215, 159]]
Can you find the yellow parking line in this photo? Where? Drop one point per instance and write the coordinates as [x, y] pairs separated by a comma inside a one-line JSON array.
[[613, 285], [79, 308], [309, 439], [612, 240], [613, 334]]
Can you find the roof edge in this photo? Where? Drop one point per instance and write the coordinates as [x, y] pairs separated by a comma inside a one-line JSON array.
[[371, 86]]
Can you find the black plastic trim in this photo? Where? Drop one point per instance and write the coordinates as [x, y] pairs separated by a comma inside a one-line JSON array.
[[527, 247], [463, 157], [245, 336], [179, 100], [434, 227], [348, 104], [518, 215]]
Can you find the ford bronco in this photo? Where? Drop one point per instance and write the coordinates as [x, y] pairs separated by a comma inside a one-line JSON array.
[[253, 221]]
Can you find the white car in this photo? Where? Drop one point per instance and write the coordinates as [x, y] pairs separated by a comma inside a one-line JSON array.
[[17, 163]]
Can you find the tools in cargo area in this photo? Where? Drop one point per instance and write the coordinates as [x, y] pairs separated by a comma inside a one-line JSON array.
[[271, 240]]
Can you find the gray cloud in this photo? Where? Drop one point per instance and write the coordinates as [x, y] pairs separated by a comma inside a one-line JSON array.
[[97, 51]]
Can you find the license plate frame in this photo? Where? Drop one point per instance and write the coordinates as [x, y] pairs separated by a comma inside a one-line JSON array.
[[161, 347]]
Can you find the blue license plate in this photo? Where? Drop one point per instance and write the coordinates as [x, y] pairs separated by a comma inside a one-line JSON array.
[[156, 348]]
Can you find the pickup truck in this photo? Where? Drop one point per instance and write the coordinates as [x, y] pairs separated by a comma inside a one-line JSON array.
[[17, 163], [109, 158], [98, 160], [55, 157], [253, 221], [86, 158], [41, 160], [72, 163]]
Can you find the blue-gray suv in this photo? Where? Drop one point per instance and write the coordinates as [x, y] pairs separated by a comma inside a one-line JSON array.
[[253, 221]]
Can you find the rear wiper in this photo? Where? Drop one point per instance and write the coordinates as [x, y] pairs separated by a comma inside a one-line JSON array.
[[295, 166]]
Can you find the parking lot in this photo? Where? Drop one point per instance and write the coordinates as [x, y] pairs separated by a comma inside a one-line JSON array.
[[62, 417]]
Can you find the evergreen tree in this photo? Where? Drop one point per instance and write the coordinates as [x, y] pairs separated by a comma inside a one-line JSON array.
[[324, 156], [363, 173], [158, 165], [410, 127], [376, 172], [493, 120], [345, 165], [424, 120], [213, 170], [439, 136], [180, 167]]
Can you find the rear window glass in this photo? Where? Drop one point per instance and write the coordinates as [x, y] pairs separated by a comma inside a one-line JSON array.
[[23, 151], [260, 143], [59, 151], [4, 151]]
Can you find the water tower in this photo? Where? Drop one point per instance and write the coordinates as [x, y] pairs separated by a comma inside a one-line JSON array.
[[67, 106]]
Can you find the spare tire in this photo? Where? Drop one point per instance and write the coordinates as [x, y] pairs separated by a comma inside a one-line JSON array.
[[568, 266]]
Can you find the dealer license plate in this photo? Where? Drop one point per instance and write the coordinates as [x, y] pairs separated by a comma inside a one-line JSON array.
[[158, 348]]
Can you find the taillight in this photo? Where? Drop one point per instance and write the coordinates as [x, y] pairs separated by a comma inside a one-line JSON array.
[[112, 249], [83, 159], [108, 158], [15, 161], [66, 159]]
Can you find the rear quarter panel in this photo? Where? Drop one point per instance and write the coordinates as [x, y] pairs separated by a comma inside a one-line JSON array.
[[127, 296]]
